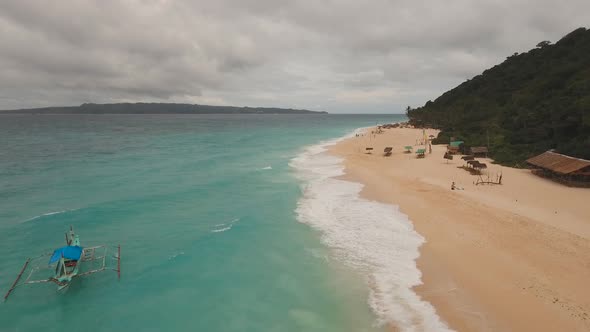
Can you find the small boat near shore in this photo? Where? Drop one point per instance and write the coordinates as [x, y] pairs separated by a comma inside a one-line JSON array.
[[69, 262]]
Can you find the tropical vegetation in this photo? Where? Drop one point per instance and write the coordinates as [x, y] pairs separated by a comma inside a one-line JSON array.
[[530, 103]]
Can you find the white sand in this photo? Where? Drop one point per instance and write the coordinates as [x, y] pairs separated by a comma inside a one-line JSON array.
[[510, 257]]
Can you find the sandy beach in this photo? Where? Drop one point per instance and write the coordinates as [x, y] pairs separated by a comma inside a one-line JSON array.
[[510, 257]]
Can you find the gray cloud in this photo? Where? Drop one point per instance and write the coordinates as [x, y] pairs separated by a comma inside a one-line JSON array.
[[339, 56]]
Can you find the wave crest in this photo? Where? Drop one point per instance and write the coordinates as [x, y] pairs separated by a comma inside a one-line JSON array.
[[48, 214], [373, 238]]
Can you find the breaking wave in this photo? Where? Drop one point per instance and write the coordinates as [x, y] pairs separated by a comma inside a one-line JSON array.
[[225, 226], [48, 214], [375, 239]]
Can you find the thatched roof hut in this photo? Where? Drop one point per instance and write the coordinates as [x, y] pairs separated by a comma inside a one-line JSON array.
[[569, 170], [479, 151], [476, 166], [560, 163], [454, 147], [480, 166]]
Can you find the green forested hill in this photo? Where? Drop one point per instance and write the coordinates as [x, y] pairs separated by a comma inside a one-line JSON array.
[[532, 102]]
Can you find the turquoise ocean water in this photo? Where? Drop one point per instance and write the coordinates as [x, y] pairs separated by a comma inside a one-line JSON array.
[[206, 211]]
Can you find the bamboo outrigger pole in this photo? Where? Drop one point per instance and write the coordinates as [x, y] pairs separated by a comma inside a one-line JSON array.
[[119, 263], [17, 279]]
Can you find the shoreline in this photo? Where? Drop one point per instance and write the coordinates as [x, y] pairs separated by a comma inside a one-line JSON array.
[[514, 256], [354, 230]]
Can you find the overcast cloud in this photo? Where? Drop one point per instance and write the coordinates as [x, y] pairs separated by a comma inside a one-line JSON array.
[[334, 55]]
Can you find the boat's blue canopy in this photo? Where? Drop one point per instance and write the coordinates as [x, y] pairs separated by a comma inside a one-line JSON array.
[[68, 252]]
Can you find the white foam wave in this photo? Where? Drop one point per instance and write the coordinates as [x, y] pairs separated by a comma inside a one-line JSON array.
[[373, 238], [48, 214], [221, 229], [225, 226], [266, 168], [173, 256]]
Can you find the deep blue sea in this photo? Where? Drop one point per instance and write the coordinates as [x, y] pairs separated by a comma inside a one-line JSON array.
[[210, 213]]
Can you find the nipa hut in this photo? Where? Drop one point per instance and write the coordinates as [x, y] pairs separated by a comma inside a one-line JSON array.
[[479, 151], [387, 151], [454, 147], [565, 169], [476, 165]]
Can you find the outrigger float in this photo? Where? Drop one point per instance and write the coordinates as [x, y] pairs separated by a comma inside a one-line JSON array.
[[70, 262]]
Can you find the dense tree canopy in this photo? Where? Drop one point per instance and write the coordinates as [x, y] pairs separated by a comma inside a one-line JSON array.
[[532, 102]]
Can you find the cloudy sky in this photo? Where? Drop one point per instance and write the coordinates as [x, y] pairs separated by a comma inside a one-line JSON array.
[[341, 56]]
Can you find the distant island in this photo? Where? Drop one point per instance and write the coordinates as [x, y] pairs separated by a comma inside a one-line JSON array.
[[156, 108], [530, 103]]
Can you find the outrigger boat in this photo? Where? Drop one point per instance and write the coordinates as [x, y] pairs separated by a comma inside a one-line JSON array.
[[69, 262]]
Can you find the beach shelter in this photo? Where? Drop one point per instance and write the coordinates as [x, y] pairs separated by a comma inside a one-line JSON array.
[[479, 151], [456, 143], [454, 146], [408, 148], [448, 156], [420, 153], [387, 151], [566, 169]]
